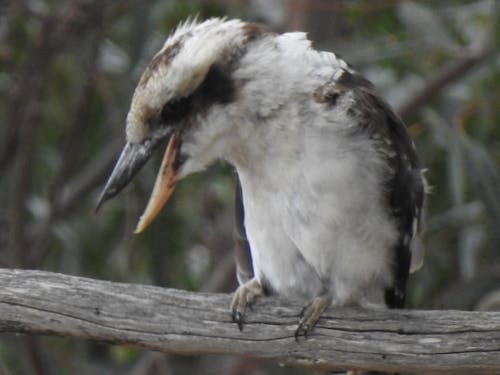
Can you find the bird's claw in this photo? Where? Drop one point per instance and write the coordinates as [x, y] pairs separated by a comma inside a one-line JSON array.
[[243, 298], [238, 319], [310, 315], [302, 330]]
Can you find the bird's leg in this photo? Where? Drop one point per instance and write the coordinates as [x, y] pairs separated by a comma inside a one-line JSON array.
[[243, 297], [311, 313]]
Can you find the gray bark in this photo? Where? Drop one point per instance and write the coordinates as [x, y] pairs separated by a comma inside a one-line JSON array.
[[168, 320]]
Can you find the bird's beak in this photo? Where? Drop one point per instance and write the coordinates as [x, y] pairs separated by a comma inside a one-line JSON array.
[[132, 158], [164, 185]]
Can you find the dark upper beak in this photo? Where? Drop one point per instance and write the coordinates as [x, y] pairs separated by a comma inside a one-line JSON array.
[[132, 159]]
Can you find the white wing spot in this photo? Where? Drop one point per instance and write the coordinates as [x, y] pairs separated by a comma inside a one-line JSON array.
[[414, 226], [388, 152]]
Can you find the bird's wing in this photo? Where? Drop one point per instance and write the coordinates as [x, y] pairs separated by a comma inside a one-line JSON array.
[[405, 187], [243, 257]]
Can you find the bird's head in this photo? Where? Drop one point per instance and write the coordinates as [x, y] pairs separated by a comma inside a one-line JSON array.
[[180, 95]]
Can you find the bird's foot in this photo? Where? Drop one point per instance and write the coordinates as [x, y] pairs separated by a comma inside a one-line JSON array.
[[310, 315], [244, 297]]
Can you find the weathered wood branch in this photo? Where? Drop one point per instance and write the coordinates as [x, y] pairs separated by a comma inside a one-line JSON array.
[[455, 342]]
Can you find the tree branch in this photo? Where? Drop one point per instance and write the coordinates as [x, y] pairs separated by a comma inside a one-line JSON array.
[[38, 302], [448, 74]]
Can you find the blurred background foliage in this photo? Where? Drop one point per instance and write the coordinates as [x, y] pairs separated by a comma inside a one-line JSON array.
[[67, 73]]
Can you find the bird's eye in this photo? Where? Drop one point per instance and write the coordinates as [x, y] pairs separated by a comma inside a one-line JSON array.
[[175, 109]]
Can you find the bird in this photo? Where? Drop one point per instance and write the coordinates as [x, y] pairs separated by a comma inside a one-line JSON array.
[[329, 194]]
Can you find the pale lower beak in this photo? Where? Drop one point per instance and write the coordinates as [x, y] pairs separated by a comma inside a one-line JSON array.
[[164, 185]]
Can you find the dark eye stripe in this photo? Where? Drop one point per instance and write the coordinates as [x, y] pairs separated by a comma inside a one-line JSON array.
[[175, 110], [217, 88]]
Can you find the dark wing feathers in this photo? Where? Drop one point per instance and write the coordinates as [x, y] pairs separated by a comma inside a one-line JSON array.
[[242, 255], [405, 188]]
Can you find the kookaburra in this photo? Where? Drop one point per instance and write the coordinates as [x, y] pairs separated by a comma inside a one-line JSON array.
[[330, 193]]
